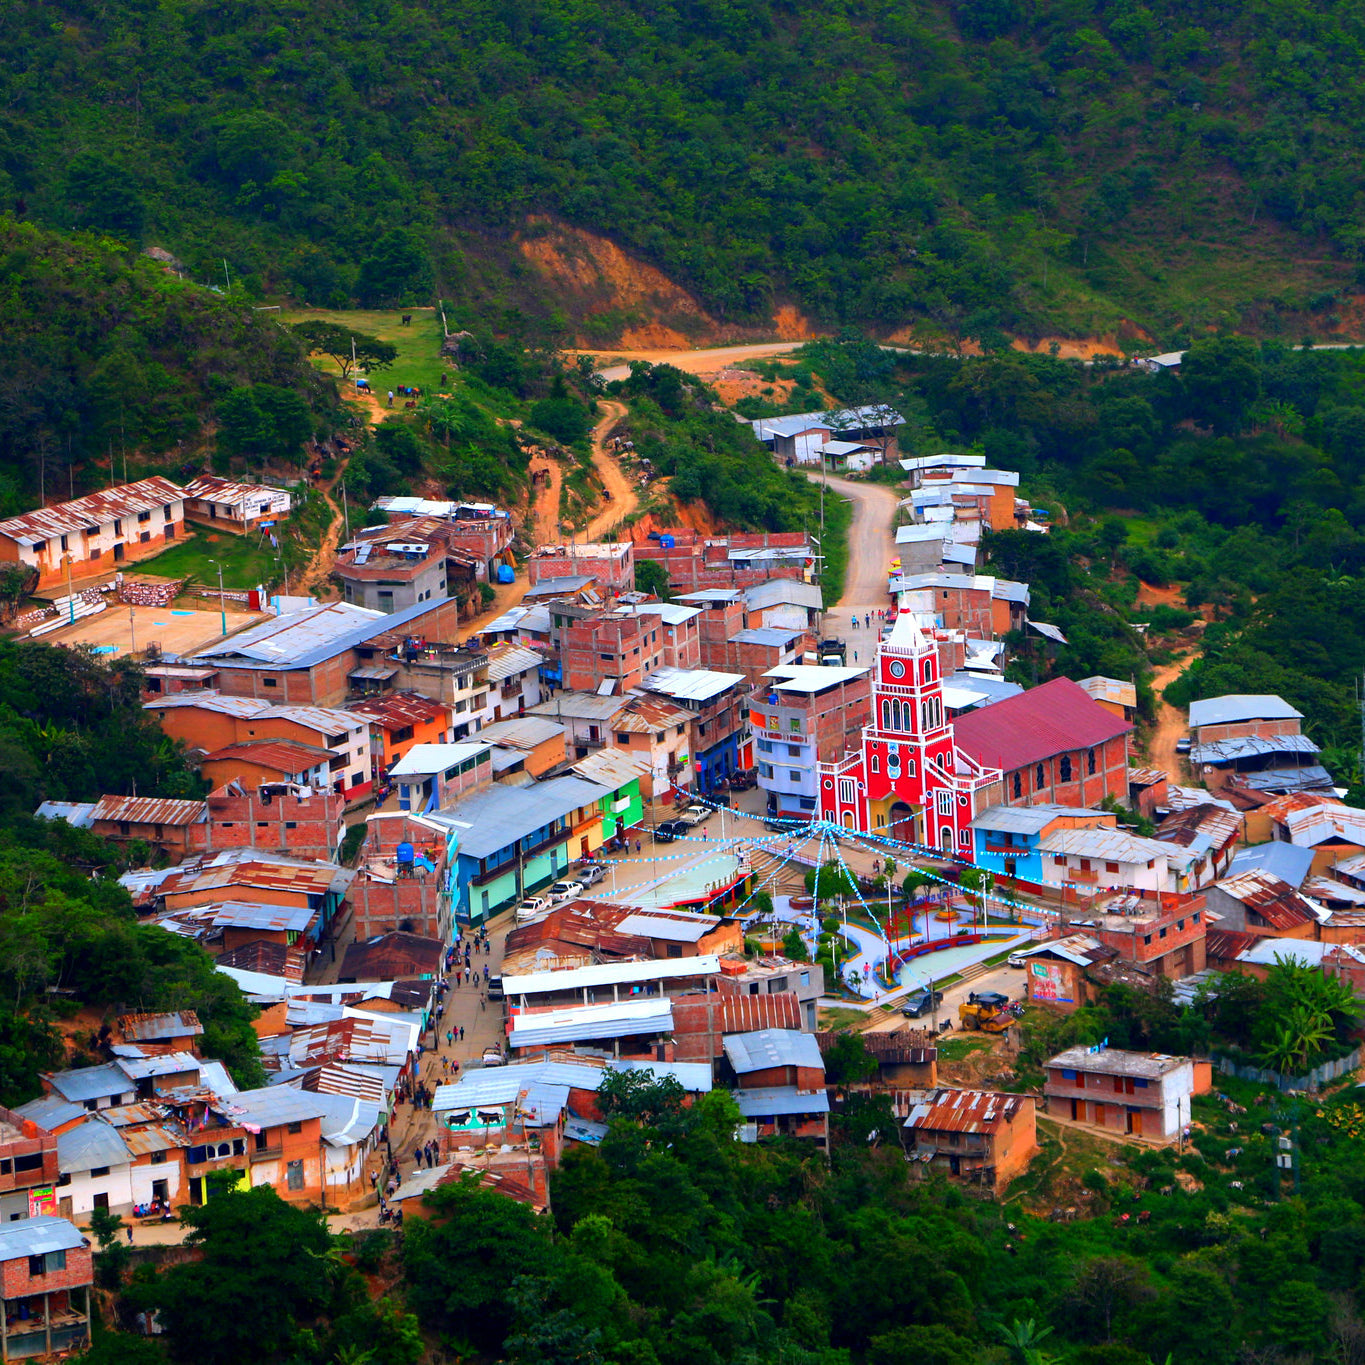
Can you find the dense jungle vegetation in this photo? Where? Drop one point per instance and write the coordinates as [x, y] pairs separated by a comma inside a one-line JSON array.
[[964, 167]]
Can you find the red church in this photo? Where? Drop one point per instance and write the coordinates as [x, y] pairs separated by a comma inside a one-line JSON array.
[[911, 780]]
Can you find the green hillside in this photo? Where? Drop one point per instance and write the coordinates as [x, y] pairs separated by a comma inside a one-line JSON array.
[[956, 168]]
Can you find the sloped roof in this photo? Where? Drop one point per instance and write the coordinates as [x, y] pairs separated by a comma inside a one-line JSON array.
[[285, 756], [773, 1101], [37, 1236], [150, 810], [965, 1111], [93, 510], [90, 1144], [1237, 706], [392, 956], [1274, 900], [1055, 718], [772, 1047]]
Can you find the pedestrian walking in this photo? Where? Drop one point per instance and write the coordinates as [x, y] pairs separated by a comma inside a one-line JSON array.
[[855, 656], [129, 1231], [855, 623], [637, 846], [450, 1037], [462, 1033], [487, 949]]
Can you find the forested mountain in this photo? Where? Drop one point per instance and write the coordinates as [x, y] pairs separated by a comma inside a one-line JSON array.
[[112, 360], [956, 168]]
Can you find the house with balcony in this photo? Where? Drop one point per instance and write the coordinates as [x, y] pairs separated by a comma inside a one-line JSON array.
[[1146, 1094], [586, 719], [622, 775], [1088, 862], [980, 1137], [1162, 935], [1007, 837], [515, 840], [398, 720], [658, 735], [800, 716], [47, 1266], [719, 723]]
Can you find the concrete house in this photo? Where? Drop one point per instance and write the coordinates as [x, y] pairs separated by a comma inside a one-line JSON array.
[[1147, 1094], [237, 507], [47, 1267], [1007, 837], [96, 534]]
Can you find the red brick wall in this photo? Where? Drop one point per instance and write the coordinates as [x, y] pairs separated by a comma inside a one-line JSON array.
[[243, 822], [382, 907], [1110, 778], [18, 1282]]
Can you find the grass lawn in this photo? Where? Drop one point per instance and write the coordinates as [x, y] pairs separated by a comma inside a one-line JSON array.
[[419, 360], [955, 1049], [836, 1018], [246, 563]]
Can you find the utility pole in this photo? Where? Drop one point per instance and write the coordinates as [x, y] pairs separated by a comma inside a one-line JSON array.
[[222, 601], [132, 632], [70, 593]]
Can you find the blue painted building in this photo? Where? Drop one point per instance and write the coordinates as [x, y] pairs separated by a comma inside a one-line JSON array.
[[1007, 837]]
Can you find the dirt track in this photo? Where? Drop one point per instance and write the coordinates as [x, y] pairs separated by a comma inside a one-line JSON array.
[[1170, 726], [623, 500], [616, 364]]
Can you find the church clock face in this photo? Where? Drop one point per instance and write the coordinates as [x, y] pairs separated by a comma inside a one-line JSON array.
[[896, 668]]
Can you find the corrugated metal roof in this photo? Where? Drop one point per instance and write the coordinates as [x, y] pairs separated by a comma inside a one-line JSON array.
[[522, 732], [341, 1078], [154, 1137], [1220, 827], [1029, 819], [766, 1102], [1251, 746], [772, 1047], [93, 510], [90, 1144], [159, 1064], [1275, 901], [1080, 949], [490, 820], [1056, 718], [674, 928], [213, 488], [274, 1105], [643, 716], [507, 660], [581, 706], [346, 1119], [964, 1111], [492, 1085], [1237, 707], [1115, 845], [77, 814], [772, 637], [809, 678], [284, 756], [1113, 690], [293, 640], [1289, 862], [671, 613], [90, 1082], [37, 1236], [611, 768], [51, 1111], [584, 1023], [403, 707], [610, 973], [559, 587], [268, 918], [694, 1077], [170, 1024], [151, 810], [424, 759]]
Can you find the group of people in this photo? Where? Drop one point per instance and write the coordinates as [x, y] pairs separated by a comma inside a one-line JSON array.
[[882, 617], [426, 1153]]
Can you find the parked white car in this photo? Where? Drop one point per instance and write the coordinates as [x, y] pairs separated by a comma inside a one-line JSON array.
[[564, 891], [531, 908]]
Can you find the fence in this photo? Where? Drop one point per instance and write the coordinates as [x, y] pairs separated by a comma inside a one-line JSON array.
[[1328, 1071]]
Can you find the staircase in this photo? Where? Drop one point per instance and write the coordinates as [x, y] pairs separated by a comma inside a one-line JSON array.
[[790, 878]]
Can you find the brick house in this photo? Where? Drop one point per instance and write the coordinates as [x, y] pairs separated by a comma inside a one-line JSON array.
[[719, 724], [1052, 743], [28, 1166], [803, 715], [614, 648], [1242, 716], [285, 1146], [1164, 935], [1056, 973], [389, 568], [95, 534], [1146, 1094], [980, 1137], [1263, 905], [774, 1057], [610, 563], [283, 817], [172, 828], [694, 561], [398, 720], [983, 606], [47, 1267], [320, 656]]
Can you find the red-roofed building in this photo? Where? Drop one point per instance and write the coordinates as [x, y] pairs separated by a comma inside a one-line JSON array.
[[1053, 743], [700, 1022]]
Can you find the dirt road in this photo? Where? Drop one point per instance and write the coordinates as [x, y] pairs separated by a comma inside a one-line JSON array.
[[871, 548], [616, 364], [545, 518], [622, 500], [1170, 726]]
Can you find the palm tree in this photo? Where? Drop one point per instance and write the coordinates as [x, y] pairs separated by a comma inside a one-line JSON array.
[[1022, 1339]]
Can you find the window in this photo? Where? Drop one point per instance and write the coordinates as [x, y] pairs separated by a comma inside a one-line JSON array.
[[144, 516], [1066, 768], [1180, 924], [1111, 867], [157, 1158], [875, 762], [45, 1265], [945, 802], [296, 1127], [1146, 940], [1195, 917], [1162, 934], [65, 546], [794, 723], [793, 751], [1085, 864], [622, 739], [293, 1175], [269, 682], [673, 950], [99, 1170], [805, 978], [1090, 763], [794, 775], [1018, 786], [846, 793], [1039, 778]]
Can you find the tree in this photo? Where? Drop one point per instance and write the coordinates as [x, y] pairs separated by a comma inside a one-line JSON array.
[[848, 1062], [257, 1278], [1106, 1286], [794, 946], [335, 341], [652, 577], [397, 268], [1222, 377]]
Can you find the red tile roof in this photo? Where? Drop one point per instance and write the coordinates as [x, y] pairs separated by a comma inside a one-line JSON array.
[[1056, 718]]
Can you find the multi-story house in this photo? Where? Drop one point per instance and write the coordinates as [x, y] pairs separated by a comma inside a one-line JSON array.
[[980, 1137], [801, 716], [719, 722], [1147, 1094]]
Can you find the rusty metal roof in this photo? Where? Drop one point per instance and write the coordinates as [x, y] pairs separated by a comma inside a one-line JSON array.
[[278, 755], [965, 1111], [1270, 897], [94, 510], [145, 1028], [399, 708], [310, 879], [150, 810], [154, 1137], [336, 1078], [641, 717], [1220, 826]]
